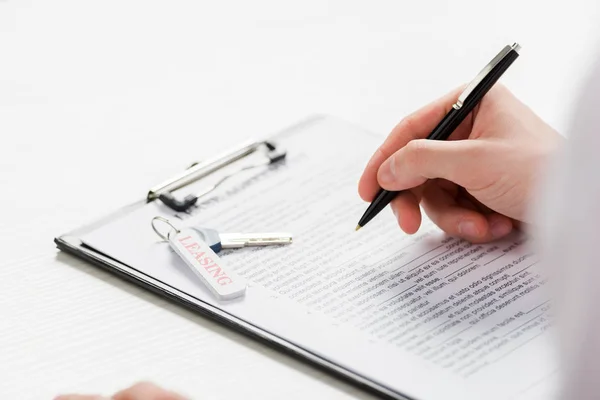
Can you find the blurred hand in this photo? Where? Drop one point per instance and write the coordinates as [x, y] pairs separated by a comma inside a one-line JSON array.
[[139, 391], [476, 185]]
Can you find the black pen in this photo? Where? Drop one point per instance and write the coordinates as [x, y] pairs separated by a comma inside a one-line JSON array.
[[466, 102]]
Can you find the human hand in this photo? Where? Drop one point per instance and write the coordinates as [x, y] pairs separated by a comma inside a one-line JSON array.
[[476, 185], [139, 391]]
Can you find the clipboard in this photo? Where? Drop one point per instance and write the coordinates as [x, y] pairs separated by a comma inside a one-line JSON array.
[[377, 301], [72, 243]]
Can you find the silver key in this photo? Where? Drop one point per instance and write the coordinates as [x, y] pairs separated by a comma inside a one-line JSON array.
[[218, 241], [237, 240]]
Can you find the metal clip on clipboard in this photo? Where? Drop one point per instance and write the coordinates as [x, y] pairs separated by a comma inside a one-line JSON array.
[[164, 191]]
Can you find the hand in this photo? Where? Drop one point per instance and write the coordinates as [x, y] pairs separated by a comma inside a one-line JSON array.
[[139, 391], [478, 184]]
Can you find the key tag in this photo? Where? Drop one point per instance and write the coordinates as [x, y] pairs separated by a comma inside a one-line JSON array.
[[223, 282]]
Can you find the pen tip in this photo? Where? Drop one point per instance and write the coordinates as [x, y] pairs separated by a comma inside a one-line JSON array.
[[358, 227]]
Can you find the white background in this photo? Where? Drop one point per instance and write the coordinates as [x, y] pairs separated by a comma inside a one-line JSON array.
[[101, 100]]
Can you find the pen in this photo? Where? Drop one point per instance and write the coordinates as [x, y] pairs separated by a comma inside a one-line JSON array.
[[465, 103]]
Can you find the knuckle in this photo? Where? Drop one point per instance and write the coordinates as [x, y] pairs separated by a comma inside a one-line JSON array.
[[382, 153], [415, 152], [473, 150], [407, 124]]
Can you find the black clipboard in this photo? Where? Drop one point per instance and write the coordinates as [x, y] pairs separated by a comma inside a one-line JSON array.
[[72, 244]]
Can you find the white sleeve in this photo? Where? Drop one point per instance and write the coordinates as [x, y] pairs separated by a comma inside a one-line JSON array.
[[569, 222]]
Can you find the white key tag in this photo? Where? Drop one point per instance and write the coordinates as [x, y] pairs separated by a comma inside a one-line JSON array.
[[223, 282]]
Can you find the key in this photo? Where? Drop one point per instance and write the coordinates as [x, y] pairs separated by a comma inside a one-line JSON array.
[[218, 241]]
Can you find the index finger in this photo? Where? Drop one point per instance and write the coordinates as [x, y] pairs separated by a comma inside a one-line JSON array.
[[417, 125]]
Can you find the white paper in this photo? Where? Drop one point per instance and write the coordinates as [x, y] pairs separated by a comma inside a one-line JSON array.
[[428, 316]]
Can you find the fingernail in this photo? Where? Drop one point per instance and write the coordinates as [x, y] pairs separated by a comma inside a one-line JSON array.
[[468, 228], [387, 172], [500, 228]]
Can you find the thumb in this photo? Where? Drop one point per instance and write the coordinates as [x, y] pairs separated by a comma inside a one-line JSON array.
[[422, 159]]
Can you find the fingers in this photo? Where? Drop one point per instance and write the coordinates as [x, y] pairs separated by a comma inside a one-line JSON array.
[[457, 161], [461, 218], [407, 211], [415, 126], [146, 391], [139, 391]]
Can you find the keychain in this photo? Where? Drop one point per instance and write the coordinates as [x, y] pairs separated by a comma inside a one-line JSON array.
[[223, 282]]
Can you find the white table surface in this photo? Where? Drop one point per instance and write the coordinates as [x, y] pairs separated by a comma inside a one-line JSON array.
[[100, 100]]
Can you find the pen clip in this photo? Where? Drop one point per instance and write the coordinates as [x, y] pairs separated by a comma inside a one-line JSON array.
[[486, 70]]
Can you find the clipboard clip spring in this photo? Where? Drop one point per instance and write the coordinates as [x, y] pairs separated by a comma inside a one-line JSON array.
[[164, 191]]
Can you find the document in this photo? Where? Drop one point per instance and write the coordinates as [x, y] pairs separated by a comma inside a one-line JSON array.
[[428, 316]]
